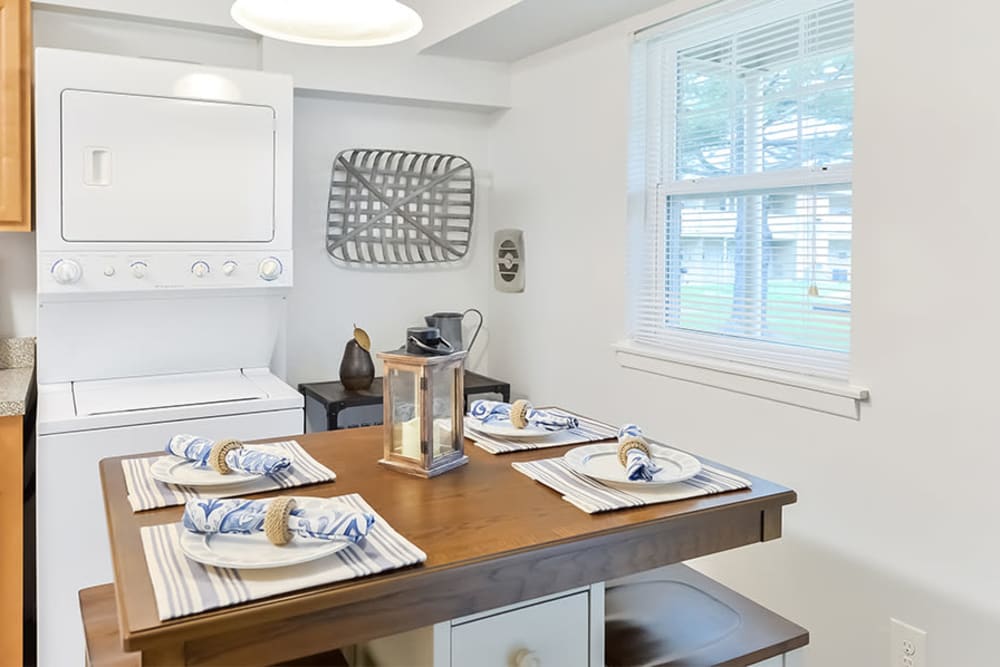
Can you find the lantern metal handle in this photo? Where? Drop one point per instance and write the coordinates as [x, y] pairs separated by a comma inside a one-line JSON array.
[[478, 328], [433, 350]]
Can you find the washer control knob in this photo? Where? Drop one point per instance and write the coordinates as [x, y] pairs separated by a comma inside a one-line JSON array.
[[270, 268], [200, 269], [229, 268], [109, 271], [139, 269], [67, 271]]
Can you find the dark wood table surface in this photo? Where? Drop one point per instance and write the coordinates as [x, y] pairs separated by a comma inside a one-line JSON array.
[[492, 536]]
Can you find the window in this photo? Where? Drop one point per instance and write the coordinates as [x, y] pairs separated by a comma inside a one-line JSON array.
[[740, 183]]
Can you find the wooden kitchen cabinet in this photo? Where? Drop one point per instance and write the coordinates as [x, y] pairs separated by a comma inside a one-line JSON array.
[[11, 539], [15, 115]]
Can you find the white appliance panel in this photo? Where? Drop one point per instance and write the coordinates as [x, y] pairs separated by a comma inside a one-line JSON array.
[[161, 272], [157, 169], [58, 411], [102, 397], [72, 540], [99, 339], [164, 234]]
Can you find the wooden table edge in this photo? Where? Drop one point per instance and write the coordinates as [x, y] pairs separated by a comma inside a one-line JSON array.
[[316, 599], [240, 616]]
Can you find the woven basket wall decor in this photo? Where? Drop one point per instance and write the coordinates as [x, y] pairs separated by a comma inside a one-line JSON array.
[[397, 208]]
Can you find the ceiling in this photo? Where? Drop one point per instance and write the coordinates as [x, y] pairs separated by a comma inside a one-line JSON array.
[[531, 26]]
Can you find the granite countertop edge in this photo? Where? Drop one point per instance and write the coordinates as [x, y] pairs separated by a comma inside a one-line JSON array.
[[17, 375]]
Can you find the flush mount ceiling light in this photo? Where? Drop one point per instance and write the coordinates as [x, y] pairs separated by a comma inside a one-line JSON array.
[[329, 22]]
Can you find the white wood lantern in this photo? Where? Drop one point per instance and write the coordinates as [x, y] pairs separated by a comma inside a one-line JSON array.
[[424, 409]]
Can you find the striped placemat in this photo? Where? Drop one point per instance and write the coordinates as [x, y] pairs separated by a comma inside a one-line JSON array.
[[589, 430], [146, 493], [183, 587], [592, 497]]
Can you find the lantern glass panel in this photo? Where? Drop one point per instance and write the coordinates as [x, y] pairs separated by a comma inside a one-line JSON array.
[[404, 408], [442, 381]]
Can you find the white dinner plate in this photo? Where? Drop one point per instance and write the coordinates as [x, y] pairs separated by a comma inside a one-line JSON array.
[[601, 463], [504, 429], [255, 552], [172, 469]]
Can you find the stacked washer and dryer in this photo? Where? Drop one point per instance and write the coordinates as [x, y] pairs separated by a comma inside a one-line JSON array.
[[164, 227]]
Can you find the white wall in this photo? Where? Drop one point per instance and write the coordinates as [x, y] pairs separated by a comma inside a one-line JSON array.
[[400, 71], [897, 512], [396, 71], [213, 13], [329, 299], [202, 31], [118, 35], [326, 300], [17, 284]]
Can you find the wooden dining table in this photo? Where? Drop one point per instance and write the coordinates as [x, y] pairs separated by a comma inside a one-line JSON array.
[[492, 536]]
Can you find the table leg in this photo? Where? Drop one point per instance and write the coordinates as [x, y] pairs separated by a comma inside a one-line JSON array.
[[506, 394], [770, 524], [164, 656]]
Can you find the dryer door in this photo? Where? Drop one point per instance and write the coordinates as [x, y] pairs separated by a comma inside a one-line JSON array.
[[157, 169]]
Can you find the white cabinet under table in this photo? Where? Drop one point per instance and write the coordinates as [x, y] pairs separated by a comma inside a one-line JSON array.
[[672, 615], [564, 630]]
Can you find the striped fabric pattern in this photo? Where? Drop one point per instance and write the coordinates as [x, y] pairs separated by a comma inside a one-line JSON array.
[[146, 493], [589, 430], [183, 587], [592, 496]]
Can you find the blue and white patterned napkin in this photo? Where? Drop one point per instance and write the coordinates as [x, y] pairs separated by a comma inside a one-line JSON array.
[[638, 465], [495, 411], [592, 497], [245, 459], [146, 493], [331, 521], [586, 430], [183, 587]]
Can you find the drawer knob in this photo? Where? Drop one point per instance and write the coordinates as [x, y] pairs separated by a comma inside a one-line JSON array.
[[526, 658]]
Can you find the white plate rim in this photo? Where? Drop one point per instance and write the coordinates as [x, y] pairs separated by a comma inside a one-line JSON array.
[[504, 429], [195, 546], [161, 467], [689, 465]]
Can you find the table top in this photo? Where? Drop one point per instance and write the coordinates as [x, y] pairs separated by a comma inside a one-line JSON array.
[[330, 393], [492, 537]]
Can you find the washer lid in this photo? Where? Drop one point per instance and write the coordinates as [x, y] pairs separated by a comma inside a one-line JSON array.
[[101, 397]]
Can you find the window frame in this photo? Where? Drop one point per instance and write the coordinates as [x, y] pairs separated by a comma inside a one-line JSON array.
[[651, 183]]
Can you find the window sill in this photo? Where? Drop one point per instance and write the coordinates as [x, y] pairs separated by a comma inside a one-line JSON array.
[[829, 396]]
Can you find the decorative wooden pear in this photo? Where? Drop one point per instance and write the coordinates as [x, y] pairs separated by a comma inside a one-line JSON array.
[[357, 370]]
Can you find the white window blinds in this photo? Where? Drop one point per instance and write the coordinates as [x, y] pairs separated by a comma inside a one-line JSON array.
[[740, 182]]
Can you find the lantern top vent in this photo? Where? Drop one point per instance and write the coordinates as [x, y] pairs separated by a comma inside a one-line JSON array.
[[402, 356]]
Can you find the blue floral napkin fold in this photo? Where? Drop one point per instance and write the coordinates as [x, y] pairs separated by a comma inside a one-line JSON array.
[[335, 521], [183, 587], [246, 459], [638, 466], [495, 411]]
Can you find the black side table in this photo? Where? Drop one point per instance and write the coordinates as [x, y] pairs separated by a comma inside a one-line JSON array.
[[329, 406]]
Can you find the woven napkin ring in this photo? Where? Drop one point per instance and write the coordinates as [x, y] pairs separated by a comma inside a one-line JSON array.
[[217, 457], [519, 413], [276, 521], [627, 445]]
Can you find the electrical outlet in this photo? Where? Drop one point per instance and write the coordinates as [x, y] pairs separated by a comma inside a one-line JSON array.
[[908, 645]]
